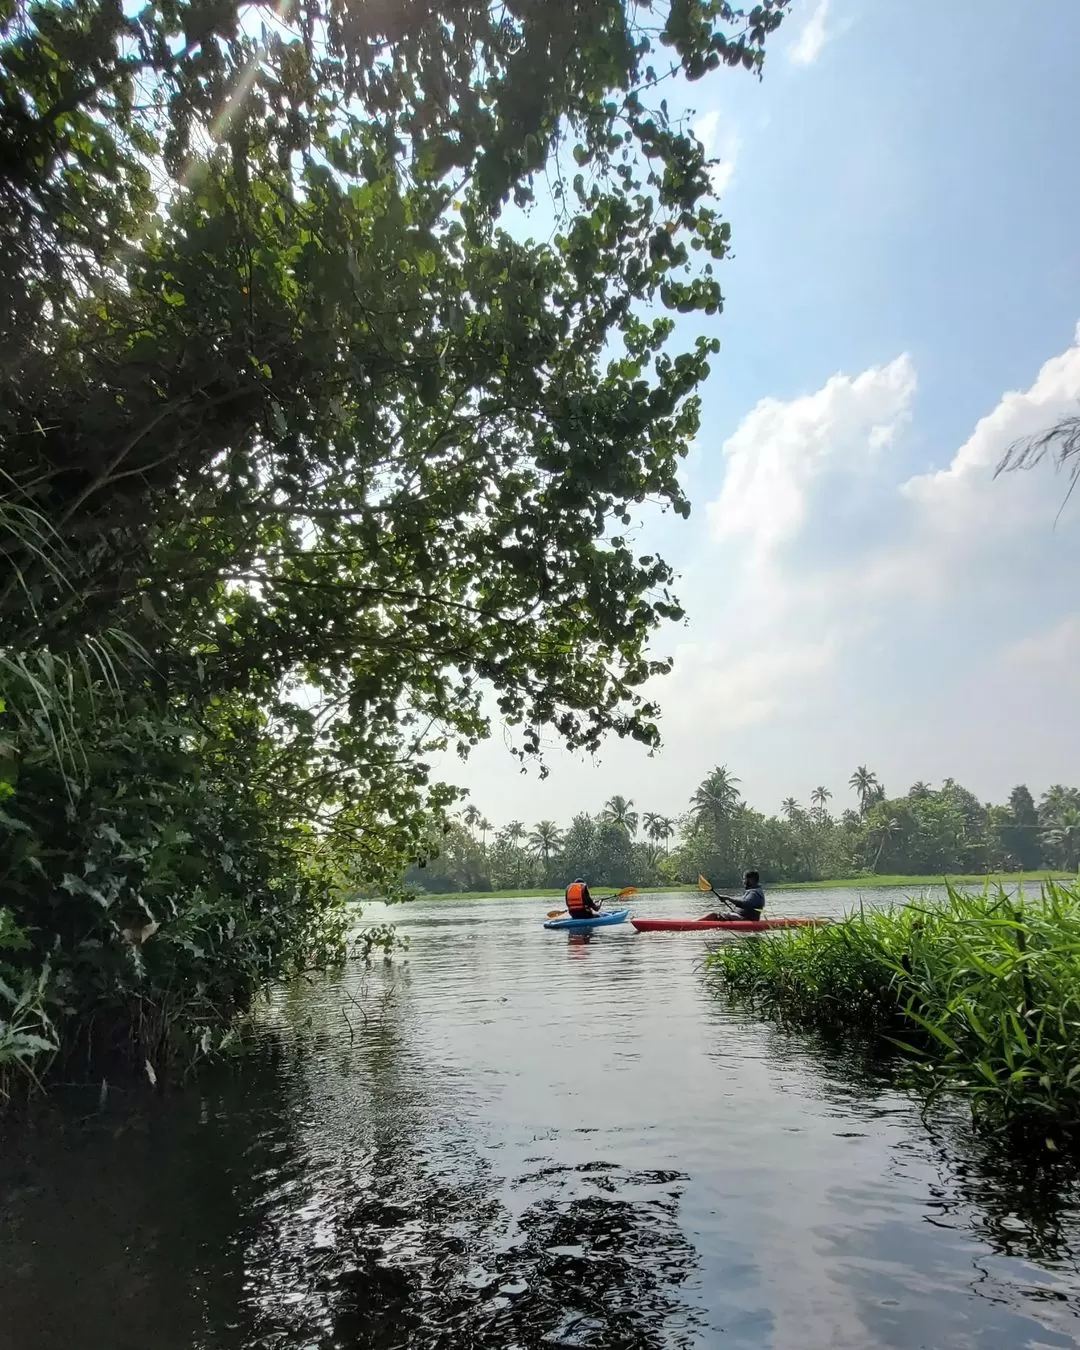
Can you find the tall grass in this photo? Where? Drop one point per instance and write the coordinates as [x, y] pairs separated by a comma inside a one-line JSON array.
[[983, 990]]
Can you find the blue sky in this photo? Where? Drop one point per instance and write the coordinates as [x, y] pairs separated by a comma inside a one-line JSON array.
[[902, 303]]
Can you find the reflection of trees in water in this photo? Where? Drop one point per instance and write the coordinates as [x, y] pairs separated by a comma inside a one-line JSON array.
[[1010, 1192], [1021, 1200], [120, 1228]]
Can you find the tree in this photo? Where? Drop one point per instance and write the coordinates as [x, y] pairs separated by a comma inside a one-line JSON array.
[[887, 829], [791, 809], [619, 811], [1063, 839], [579, 855], [1061, 441], [715, 799], [1056, 800], [820, 797], [866, 785], [659, 828], [919, 790], [471, 816], [328, 450], [544, 840]]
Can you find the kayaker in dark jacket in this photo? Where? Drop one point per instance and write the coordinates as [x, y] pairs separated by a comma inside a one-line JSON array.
[[579, 903], [751, 904]]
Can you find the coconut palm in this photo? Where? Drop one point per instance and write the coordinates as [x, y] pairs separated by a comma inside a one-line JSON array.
[[885, 832], [1064, 837], [716, 798], [545, 839], [919, 791], [514, 831], [820, 798], [619, 811], [791, 809], [1061, 442], [1056, 800], [866, 785]]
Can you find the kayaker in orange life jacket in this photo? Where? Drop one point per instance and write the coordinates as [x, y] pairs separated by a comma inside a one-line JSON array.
[[751, 904], [579, 903]]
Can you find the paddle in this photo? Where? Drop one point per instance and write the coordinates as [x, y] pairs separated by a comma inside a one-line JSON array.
[[630, 890], [704, 884]]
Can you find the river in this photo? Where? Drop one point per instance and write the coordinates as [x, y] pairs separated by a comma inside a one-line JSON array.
[[513, 1138]]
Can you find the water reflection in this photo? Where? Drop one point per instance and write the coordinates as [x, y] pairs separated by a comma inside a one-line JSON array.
[[521, 1138]]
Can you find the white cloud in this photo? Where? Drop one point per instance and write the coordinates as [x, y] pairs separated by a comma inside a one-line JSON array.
[[722, 144], [843, 610], [958, 496], [780, 449], [807, 47], [1052, 652]]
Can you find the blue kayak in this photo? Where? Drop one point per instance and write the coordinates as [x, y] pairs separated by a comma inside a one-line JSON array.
[[601, 920]]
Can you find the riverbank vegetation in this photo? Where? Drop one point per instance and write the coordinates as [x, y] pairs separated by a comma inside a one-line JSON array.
[[914, 839], [982, 989], [306, 451]]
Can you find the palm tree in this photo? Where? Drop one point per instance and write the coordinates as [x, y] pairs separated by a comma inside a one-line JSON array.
[[471, 817], [716, 798], [866, 785], [619, 811], [791, 809], [1064, 837], [514, 831], [544, 840], [484, 825], [887, 829], [1056, 801], [1062, 439], [659, 827], [820, 797], [919, 791]]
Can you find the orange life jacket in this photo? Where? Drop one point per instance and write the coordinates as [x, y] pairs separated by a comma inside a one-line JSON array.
[[576, 899]]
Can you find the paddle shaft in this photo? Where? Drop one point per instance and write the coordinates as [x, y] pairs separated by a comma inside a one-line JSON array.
[[725, 899]]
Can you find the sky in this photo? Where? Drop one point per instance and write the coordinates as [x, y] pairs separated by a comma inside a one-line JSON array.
[[902, 304]]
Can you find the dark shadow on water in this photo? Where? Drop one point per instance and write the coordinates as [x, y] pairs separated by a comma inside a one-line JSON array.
[[329, 1191], [320, 1195]]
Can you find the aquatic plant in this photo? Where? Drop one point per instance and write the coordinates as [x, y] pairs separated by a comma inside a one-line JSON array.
[[983, 990]]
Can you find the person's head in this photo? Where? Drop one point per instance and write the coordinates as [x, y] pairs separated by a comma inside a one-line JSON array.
[[752, 879], [580, 881]]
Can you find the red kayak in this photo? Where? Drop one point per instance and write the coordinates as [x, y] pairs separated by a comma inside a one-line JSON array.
[[733, 925]]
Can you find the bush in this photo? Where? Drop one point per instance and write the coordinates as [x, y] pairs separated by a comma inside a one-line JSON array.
[[984, 990], [151, 886]]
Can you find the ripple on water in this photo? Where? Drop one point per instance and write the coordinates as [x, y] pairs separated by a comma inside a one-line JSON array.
[[530, 1139]]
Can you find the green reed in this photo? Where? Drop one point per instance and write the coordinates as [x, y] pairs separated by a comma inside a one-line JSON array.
[[982, 989]]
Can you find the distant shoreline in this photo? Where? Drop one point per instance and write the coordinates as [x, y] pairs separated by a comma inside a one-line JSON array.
[[838, 883]]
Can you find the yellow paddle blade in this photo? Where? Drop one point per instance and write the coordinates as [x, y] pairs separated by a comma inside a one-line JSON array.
[[703, 885], [556, 913]]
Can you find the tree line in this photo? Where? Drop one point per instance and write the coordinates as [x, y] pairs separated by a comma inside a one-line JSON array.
[[926, 832]]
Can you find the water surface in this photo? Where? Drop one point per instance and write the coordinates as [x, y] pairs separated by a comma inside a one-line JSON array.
[[517, 1138]]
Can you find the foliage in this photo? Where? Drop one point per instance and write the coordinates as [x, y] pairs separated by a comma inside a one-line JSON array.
[[930, 832], [1061, 441], [986, 985], [308, 449]]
